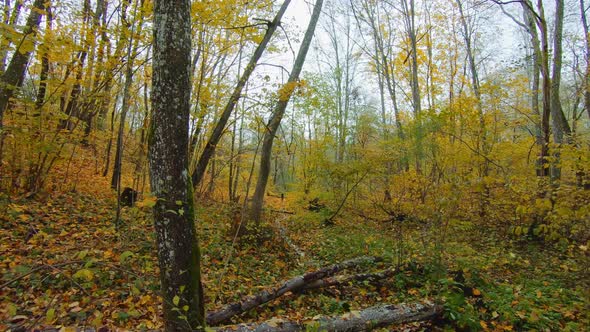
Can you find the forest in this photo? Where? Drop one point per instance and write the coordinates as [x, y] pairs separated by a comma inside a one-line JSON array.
[[294, 165]]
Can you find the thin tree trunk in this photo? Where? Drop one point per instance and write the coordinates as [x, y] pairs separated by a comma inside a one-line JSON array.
[[275, 120], [583, 10], [42, 90], [561, 126], [9, 19], [132, 47], [209, 150], [14, 75]]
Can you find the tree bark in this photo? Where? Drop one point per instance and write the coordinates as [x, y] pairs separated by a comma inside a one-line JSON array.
[[292, 285], [275, 120], [209, 150], [178, 249], [365, 320]]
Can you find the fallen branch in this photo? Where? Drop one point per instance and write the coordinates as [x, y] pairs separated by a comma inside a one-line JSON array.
[[37, 269], [292, 285], [365, 320], [343, 280], [287, 239], [282, 211]]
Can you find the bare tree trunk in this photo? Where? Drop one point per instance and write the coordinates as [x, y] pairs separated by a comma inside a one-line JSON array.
[[560, 125], [483, 144], [583, 10], [410, 25], [209, 150], [178, 248], [275, 120], [132, 47], [42, 90]]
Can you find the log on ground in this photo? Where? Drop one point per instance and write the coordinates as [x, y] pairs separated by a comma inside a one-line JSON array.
[[359, 321], [292, 285]]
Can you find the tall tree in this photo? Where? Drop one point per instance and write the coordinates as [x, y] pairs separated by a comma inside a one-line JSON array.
[[14, 75], [560, 125], [209, 150], [409, 15], [178, 248], [583, 11], [132, 50], [273, 124]]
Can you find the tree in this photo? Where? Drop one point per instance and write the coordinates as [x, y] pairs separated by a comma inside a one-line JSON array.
[[583, 11], [273, 124], [209, 150], [14, 75], [409, 15], [132, 50], [178, 249]]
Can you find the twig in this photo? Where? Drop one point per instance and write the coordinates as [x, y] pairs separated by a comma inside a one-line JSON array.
[[39, 268]]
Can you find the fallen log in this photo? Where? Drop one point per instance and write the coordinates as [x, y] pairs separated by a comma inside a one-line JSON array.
[[287, 239], [354, 321], [343, 280], [291, 285]]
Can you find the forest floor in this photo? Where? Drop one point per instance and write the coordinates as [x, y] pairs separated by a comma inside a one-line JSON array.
[[63, 262]]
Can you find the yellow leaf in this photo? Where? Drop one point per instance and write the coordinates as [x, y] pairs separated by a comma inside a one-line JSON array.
[[539, 294], [176, 300], [476, 292], [483, 324]]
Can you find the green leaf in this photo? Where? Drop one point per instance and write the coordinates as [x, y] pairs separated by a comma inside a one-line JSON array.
[[86, 274], [50, 316], [179, 203], [176, 300], [12, 309], [82, 254], [125, 255]]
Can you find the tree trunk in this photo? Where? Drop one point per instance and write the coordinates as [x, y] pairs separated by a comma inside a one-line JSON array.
[[10, 19], [561, 127], [14, 75], [409, 20], [178, 249], [275, 120], [132, 47], [42, 90], [587, 39], [207, 153]]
